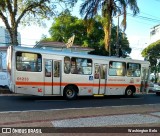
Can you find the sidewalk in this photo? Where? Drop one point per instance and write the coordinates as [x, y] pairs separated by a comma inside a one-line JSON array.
[[145, 115], [95, 121], [88, 119]]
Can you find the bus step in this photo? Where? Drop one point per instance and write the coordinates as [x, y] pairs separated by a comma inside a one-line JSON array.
[[98, 95]]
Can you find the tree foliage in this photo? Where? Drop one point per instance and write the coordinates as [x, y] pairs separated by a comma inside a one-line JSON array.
[[151, 53], [108, 9], [66, 25], [14, 12]]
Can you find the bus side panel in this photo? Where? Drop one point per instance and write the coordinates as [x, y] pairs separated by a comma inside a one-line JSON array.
[[29, 83], [83, 82], [116, 85]]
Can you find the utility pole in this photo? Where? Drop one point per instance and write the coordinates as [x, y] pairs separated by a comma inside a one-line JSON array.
[[110, 25], [110, 29], [117, 43]]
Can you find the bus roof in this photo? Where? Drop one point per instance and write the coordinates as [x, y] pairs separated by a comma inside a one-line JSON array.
[[61, 53]]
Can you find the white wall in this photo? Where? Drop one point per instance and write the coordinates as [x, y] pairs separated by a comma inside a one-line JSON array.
[[155, 34], [5, 37]]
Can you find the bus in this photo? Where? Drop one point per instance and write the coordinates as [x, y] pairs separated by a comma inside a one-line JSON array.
[[45, 72]]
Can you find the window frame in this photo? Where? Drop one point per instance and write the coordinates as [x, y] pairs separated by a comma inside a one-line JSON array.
[[117, 70], [37, 64], [80, 70], [73, 64], [131, 70]]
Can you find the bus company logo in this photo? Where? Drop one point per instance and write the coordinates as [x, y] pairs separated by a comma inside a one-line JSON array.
[[131, 80], [39, 90], [6, 130], [89, 91], [137, 80]]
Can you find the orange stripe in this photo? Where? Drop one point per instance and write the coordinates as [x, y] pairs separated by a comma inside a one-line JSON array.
[[30, 83], [78, 84], [48, 83]]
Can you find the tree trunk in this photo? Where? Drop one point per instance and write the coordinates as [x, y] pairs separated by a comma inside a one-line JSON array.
[[106, 37], [14, 37], [107, 34]]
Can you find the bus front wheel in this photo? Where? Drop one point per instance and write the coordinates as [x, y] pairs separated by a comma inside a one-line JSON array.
[[70, 93], [129, 92]]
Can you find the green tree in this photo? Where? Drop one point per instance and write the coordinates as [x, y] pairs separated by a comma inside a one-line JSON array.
[[65, 25], [109, 9], [151, 53], [14, 12]]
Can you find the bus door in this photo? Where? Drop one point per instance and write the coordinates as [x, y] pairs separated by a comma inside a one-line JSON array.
[[144, 80], [52, 80], [100, 78]]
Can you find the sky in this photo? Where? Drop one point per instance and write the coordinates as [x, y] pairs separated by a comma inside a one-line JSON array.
[[138, 27]]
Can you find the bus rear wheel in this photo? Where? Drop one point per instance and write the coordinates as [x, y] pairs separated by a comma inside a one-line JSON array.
[[129, 92], [70, 93]]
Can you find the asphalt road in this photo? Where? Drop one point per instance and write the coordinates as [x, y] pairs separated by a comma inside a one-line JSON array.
[[25, 103]]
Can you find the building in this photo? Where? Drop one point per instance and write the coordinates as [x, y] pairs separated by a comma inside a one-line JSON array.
[[5, 39], [155, 34], [4, 78], [59, 46]]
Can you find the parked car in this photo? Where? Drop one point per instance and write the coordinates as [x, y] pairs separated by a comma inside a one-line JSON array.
[[156, 89], [151, 86]]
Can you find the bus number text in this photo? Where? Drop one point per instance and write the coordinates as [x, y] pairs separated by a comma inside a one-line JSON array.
[[22, 79]]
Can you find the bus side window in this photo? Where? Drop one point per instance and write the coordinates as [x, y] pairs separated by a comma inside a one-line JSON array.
[[133, 69], [56, 69], [48, 68], [28, 61], [117, 68], [67, 65], [96, 73]]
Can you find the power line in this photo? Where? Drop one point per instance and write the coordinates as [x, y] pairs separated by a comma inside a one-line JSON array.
[[145, 18], [150, 15]]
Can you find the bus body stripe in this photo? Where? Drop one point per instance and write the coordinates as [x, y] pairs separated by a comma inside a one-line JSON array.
[[78, 84]]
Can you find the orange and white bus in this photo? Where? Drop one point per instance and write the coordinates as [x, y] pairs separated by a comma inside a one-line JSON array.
[[53, 73]]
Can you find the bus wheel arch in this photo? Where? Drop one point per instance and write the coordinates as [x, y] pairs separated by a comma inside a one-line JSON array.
[[130, 90], [70, 92]]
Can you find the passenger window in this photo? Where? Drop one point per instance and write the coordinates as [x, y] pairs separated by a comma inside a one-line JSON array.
[[81, 66], [56, 69], [48, 68], [117, 68], [133, 69], [28, 62], [67, 65]]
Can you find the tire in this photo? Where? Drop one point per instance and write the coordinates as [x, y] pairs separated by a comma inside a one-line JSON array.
[[70, 93], [158, 93], [129, 92]]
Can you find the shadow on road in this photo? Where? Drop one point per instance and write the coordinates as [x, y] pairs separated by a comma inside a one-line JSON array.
[[80, 98]]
